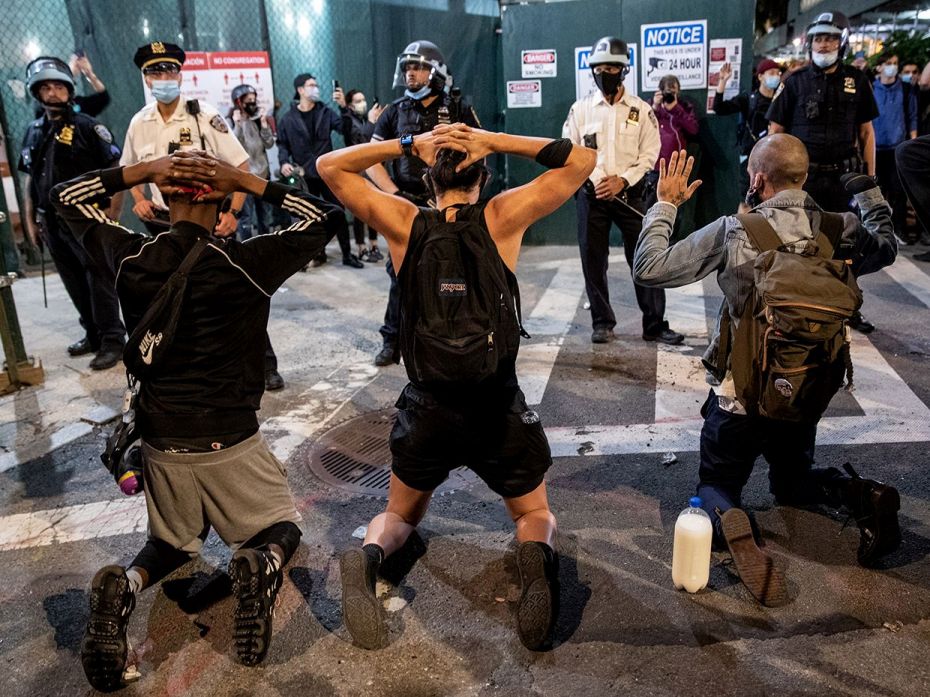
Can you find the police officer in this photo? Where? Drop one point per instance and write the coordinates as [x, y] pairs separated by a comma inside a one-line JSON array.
[[829, 106], [428, 100], [172, 123], [624, 131], [59, 146]]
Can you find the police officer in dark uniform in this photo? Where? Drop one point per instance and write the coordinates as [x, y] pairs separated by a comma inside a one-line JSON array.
[[829, 106], [428, 101], [61, 145]]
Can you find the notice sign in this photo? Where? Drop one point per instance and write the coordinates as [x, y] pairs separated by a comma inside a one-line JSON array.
[[537, 63], [523, 94], [211, 77], [674, 48], [584, 80]]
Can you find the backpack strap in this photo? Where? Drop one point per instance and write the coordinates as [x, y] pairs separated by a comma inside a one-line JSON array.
[[831, 228], [761, 234]]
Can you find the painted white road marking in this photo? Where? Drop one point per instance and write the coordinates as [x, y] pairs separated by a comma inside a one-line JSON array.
[[910, 277], [72, 523]]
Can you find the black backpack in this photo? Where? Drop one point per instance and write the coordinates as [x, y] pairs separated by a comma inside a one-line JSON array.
[[154, 333], [790, 348], [460, 305]]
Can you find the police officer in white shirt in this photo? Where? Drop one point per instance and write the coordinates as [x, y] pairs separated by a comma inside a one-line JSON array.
[[624, 131], [171, 123]]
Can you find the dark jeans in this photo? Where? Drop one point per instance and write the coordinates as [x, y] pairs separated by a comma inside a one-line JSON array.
[[391, 327], [886, 173], [913, 159], [91, 290], [255, 219], [730, 445], [595, 218], [358, 229], [318, 188]]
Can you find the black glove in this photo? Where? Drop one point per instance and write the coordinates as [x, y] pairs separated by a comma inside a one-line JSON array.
[[856, 183]]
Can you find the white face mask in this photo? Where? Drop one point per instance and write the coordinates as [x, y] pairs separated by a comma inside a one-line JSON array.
[[890, 70], [825, 60], [360, 108], [313, 94]]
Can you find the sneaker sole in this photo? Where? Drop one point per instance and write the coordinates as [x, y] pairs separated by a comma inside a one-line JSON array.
[[251, 645], [888, 531], [756, 569], [361, 610], [103, 651], [536, 610]]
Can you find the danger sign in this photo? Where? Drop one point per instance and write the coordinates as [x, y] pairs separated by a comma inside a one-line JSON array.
[[522, 94], [538, 63]]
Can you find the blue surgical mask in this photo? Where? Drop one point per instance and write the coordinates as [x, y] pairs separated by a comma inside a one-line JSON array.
[[421, 93], [906, 77], [890, 70], [772, 81], [165, 91]]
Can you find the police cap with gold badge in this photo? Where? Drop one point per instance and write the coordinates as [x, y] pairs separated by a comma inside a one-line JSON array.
[[159, 57]]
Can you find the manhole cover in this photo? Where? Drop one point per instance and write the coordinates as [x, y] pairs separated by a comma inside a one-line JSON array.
[[355, 456]]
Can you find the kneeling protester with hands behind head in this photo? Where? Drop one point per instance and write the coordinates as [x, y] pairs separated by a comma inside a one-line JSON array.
[[459, 336], [200, 361], [780, 351]]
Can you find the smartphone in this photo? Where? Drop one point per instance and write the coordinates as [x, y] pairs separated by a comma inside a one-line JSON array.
[[79, 53], [335, 85]]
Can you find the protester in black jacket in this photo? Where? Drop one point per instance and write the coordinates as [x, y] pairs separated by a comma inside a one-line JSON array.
[[206, 464], [358, 125]]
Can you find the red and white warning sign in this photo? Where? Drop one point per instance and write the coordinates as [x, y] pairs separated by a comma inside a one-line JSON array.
[[538, 63], [522, 94], [211, 77]]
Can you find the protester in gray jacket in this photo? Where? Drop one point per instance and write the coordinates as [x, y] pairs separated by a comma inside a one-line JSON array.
[[733, 436]]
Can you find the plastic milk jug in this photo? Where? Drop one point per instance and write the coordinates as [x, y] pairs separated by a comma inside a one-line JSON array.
[[691, 550]]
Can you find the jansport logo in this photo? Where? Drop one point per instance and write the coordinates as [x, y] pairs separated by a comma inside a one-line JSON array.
[[147, 346], [452, 286]]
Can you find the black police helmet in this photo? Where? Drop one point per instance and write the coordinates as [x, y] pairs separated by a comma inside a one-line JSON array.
[[45, 69], [835, 23], [428, 54], [241, 91]]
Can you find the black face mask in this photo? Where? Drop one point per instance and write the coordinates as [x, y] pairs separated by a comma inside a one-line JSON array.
[[608, 83], [669, 97], [250, 109]]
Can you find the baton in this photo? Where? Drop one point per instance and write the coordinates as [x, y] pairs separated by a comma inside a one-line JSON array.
[[44, 291], [623, 201]]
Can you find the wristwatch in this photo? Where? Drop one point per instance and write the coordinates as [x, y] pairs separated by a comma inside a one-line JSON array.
[[235, 213], [406, 144]]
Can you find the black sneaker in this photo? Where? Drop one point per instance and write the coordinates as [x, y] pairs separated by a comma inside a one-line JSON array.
[[861, 324], [256, 579], [875, 507], [375, 255], [538, 608], [273, 381], [106, 358], [361, 610], [104, 648], [318, 260], [364, 255], [666, 336], [923, 256], [386, 356], [756, 569], [80, 348], [602, 335], [352, 260]]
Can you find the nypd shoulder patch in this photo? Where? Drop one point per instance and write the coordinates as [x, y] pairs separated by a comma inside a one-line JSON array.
[[104, 134], [218, 123]]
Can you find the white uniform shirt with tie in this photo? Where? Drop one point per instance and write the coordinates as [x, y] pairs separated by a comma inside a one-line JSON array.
[[626, 132], [149, 136]]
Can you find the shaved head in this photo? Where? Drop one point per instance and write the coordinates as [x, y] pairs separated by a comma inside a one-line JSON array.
[[783, 160]]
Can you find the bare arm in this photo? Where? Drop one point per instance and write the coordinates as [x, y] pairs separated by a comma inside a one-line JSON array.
[[511, 212], [29, 213], [116, 205], [867, 142], [379, 175]]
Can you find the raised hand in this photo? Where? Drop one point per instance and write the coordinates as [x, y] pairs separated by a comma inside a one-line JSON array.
[[474, 142], [673, 180], [726, 72]]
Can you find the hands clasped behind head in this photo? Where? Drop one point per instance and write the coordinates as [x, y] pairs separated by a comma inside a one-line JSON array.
[[196, 174]]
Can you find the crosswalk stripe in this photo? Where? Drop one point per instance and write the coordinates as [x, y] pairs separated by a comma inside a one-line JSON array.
[[910, 277]]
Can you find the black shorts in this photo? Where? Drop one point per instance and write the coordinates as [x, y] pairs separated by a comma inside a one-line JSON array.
[[499, 438]]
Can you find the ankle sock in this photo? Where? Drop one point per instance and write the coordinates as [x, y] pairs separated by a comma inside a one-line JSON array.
[[374, 552]]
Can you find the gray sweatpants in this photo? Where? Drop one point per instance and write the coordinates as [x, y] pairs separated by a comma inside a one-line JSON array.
[[238, 491]]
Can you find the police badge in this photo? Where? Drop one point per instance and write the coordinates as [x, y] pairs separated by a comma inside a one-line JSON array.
[[218, 123], [104, 134]]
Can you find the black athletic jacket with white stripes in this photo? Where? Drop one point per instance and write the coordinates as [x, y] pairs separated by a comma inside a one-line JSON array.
[[213, 377]]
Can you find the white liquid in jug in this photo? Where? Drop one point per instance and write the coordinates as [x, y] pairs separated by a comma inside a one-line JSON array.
[[691, 552]]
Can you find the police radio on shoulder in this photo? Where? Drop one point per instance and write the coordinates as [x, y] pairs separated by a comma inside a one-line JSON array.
[[555, 153]]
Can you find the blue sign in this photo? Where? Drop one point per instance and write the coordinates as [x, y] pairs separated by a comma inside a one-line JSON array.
[[674, 34]]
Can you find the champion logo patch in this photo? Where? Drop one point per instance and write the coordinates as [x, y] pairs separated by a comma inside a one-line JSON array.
[[452, 286]]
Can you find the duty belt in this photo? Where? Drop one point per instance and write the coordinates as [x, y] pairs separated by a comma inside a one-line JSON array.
[[850, 164]]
